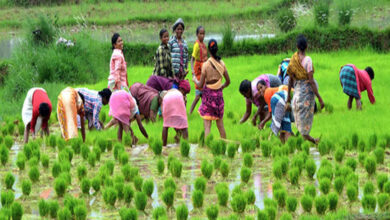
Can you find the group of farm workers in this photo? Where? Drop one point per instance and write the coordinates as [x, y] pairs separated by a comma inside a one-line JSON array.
[[166, 89]]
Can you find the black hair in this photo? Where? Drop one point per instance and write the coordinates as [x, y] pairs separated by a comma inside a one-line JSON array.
[[114, 38], [301, 42], [213, 48], [262, 82], [105, 93], [81, 96], [162, 31], [198, 29], [44, 109], [370, 72], [177, 25], [245, 86]]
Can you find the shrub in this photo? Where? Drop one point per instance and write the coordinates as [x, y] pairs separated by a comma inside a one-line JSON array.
[[4, 154], [17, 211], [170, 183], [217, 162], [381, 179], [200, 184], [207, 169], [231, 150], [34, 174], [248, 160], [369, 203], [197, 198], [64, 214], [26, 187], [339, 184], [384, 201], [182, 212], [368, 188], [266, 149], [92, 159], [85, 185], [159, 213], [321, 204], [80, 212], [110, 196], [222, 193], [307, 203], [292, 203], [245, 174], [250, 197], [60, 186], [294, 175], [321, 13], [370, 165], [238, 203], [352, 192], [7, 198], [325, 185], [333, 199], [9, 180], [148, 187], [281, 196], [212, 212], [160, 166], [176, 168], [157, 147], [379, 155], [286, 20], [310, 190], [224, 169], [138, 182], [184, 148], [310, 168], [53, 208]]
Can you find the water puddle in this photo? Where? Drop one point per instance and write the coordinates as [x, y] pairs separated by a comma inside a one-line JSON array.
[[155, 202], [258, 192], [137, 150]]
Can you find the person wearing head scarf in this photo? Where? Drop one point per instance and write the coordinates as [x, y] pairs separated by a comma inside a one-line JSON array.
[[213, 72], [179, 50]]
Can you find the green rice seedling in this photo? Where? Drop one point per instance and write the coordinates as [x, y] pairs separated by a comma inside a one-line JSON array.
[[323, 148], [84, 151], [325, 172], [33, 161], [61, 144], [353, 179], [265, 148], [9, 180], [276, 186], [373, 140], [80, 212], [110, 165], [138, 182], [65, 155], [124, 158], [182, 212], [285, 163], [362, 157], [246, 146], [339, 154], [7, 198], [277, 169], [118, 148], [208, 140], [81, 172], [321, 203], [310, 190], [339, 184], [306, 148], [285, 150], [60, 186], [224, 169], [45, 160], [176, 168], [109, 145], [51, 141], [352, 192], [237, 190], [92, 159], [379, 155], [197, 198], [281, 196], [262, 215], [362, 146], [201, 139], [11, 129], [110, 196], [325, 185], [76, 145], [126, 140], [200, 184], [222, 193], [368, 188], [355, 140], [17, 211], [119, 187], [207, 169], [307, 203], [294, 176], [33, 174], [383, 201], [250, 197], [160, 166], [291, 143], [245, 174], [43, 207], [217, 162], [184, 148], [64, 214], [4, 155], [27, 150], [271, 212], [140, 200], [157, 147], [369, 203], [67, 177], [26, 187], [286, 216], [351, 162], [171, 158], [168, 197], [170, 183], [292, 203], [96, 183], [299, 162], [381, 179], [56, 169], [85, 185], [20, 129], [102, 144], [53, 208], [310, 168], [333, 199], [231, 150], [148, 187], [159, 213], [248, 160], [21, 161], [8, 141], [212, 212], [128, 193], [370, 165], [238, 203]]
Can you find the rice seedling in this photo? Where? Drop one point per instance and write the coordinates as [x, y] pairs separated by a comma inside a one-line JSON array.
[[119, 187], [170, 183], [381, 179], [197, 198], [110, 196], [325, 185], [307, 203], [85, 185], [245, 174], [352, 192], [176, 168], [21, 161], [379, 155], [292, 203], [124, 158], [333, 199], [339, 154], [43, 207], [212, 212], [9, 180], [281, 196], [160, 166], [4, 155], [60, 185], [8, 141], [184, 148], [148, 187], [7, 198], [217, 162], [157, 147], [238, 203], [84, 151], [80, 212], [200, 184], [138, 183], [53, 208], [294, 175], [222, 193], [34, 174], [370, 165], [128, 193], [159, 213], [250, 197], [168, 197], [207, 169], [64, 214], [248, 160], [339, 184], [368, 188], [231, 150], [26, 187], [321, 204], [310, 168], [369, 203], [17, 211], [224, 169], [182, 212], [383, 201]]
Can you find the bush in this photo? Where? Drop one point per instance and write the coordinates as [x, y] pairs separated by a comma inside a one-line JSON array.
[[138, 182], [245, 174], [310, 168], [34, 174], [80, 212], [352, 192], [250, 197], [9, 180], [222, 193], [53, 208], [231, 150], [307, 203], [281, 196], [368, 188], [381, 179], [170, 183], [294, 175], [184, 148], [182, 212], [197, 198], [60, 186], [176, 168], [370, 165], [224, 169], [325, 185], [85, 185], [238, 203], [148, 187], [321, 12], [110, 196], [17, 211], [292, 203], [333, 199], [286, 20], [248, 160], [384, 201], [379, 155], [207, 169], [128, 193], [26, 187], [321, 204], [200, 184], [160, 166], [369, 203], [212, 212]]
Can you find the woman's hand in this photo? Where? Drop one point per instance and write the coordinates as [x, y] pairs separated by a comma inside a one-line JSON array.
[[287, 108], [321, 103], [261, 125]]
